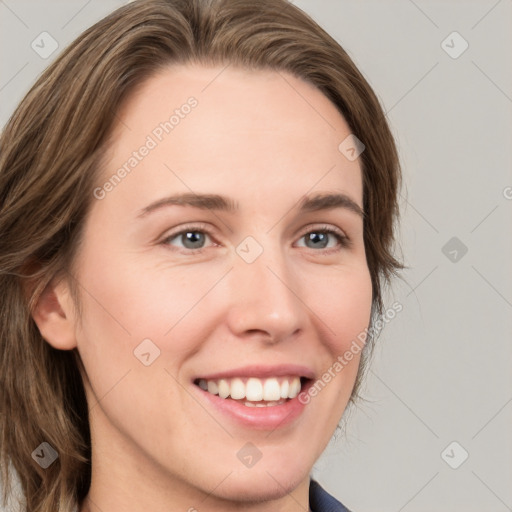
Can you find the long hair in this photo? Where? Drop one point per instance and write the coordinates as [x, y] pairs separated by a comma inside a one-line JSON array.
[[50, 158]]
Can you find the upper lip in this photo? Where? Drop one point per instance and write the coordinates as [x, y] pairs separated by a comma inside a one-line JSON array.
[[262, 371]]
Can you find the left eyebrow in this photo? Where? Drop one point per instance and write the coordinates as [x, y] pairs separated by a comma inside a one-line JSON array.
[[221, 203], [330, 202]]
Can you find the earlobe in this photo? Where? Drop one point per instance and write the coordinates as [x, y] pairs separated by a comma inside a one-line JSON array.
[[54, 316]]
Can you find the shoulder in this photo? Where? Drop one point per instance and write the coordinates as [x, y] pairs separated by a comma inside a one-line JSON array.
[[321, 501]]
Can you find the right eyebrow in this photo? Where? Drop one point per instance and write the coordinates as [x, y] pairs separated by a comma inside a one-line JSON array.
[[202, 201]]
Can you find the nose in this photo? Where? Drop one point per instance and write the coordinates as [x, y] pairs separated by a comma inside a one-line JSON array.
[[266, 300]]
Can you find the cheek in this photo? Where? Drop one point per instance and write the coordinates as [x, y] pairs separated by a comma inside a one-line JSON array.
[[343, 306], [128, 301], [343, 309], [126, 305]]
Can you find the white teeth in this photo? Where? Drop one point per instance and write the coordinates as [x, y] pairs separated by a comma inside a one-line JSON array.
[[266, 404], [237, 389], [212, 387], [294, 388], [285, 386], [224, 388], [254, 390], [272, 391]]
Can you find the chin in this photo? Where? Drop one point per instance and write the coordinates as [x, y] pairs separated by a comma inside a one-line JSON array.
[[271, 481], [256, 490]]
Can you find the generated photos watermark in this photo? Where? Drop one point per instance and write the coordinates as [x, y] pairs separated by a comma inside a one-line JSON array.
[[156, 136], [344, 359]]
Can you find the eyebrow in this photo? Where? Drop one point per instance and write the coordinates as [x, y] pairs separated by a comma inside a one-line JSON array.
[[221, 203]]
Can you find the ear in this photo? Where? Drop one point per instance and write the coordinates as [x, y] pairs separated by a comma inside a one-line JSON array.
[[55, 316]]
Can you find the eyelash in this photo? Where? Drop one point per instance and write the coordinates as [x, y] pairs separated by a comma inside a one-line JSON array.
[[343, 240]]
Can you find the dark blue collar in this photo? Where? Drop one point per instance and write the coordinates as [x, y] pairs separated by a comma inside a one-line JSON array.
[[321, 501]]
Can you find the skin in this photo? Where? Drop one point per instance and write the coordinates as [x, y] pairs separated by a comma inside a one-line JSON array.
[[264, 139]]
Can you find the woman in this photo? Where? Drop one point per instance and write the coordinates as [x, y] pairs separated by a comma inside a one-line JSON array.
[[198, 203]]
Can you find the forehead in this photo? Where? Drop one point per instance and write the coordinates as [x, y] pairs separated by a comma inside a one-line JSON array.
[[253, 128]]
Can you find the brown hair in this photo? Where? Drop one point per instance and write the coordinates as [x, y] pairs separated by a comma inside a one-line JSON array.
[[50, 156]]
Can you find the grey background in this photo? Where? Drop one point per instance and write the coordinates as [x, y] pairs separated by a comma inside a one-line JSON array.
[[442, 368]]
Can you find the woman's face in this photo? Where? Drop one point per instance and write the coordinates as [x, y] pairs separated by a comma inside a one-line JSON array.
[[241, 293]]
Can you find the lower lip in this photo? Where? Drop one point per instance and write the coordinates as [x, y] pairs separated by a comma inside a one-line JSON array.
[[261, 418]]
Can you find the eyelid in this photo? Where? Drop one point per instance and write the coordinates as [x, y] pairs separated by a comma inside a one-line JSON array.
[[344, 240], [194, 226], [323, 227]]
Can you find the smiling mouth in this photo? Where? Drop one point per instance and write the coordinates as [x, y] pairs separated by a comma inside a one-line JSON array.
[[254, 392]]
